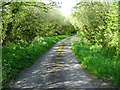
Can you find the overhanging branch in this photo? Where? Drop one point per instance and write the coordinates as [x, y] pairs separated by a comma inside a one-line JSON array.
[[7, 3]]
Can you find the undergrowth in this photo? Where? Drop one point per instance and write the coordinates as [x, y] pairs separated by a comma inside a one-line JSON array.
[[100, 62], [16, 58]]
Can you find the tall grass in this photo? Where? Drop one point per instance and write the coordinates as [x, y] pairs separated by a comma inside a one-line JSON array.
[[100, 62], [16, 57]]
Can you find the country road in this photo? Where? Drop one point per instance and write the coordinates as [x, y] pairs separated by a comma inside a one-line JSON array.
[[57, 68]]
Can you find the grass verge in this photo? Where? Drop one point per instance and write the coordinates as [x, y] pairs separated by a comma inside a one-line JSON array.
[[16, 58], [99, 62]]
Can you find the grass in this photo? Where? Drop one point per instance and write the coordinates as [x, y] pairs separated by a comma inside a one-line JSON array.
[[16, 58], [100, 62]]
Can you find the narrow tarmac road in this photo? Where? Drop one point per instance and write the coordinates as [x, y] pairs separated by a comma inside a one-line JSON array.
[[58, 68]]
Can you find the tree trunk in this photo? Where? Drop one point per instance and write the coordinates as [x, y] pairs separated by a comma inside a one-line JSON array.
[[8, 32]]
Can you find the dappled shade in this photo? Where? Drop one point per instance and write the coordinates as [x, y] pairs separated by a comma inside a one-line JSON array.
[[56, 69]]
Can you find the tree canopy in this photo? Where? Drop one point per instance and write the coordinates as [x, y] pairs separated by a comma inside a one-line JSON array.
[[98, 23], [23, 21]]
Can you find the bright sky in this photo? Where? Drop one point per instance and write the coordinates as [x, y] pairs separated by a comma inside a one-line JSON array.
[[66, 6]]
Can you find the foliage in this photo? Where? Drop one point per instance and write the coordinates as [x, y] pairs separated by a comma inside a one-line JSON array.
[[97, 23], [28, 30], [23, 21], [98, 48], [98, 61], [17, 58]]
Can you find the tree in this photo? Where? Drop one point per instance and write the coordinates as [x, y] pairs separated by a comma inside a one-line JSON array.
[[23, 21]]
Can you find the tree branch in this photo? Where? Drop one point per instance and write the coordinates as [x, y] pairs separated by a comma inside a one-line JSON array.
[[8, 3]]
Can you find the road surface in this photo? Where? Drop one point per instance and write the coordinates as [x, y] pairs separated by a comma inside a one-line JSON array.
[[58, 68]]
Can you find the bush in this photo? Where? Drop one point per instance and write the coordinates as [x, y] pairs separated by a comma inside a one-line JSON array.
[[100, 62]]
